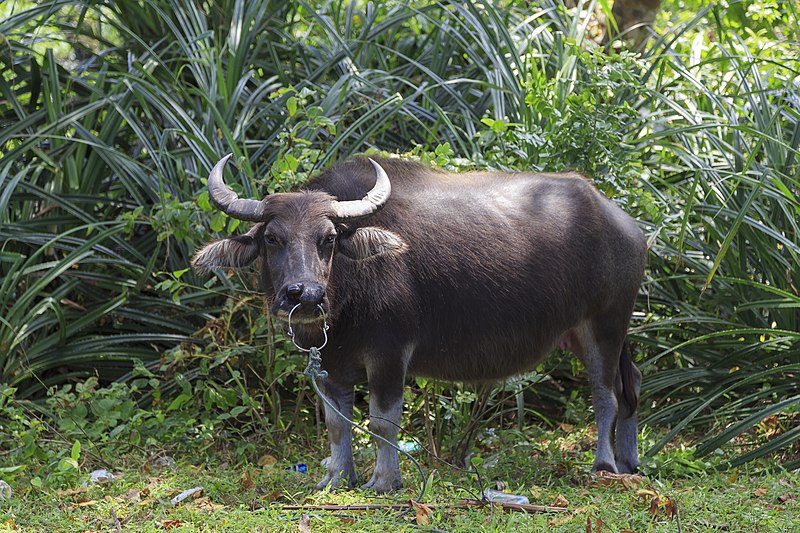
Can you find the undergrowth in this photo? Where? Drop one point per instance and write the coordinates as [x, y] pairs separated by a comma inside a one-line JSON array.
[[234, 492]]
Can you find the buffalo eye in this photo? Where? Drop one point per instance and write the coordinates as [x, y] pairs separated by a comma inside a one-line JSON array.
[[271, 240], [328, 240]]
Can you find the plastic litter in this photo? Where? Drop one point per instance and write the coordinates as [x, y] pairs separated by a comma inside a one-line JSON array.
[[496, 496], [99, 476], [185, 494], [408, 446], [298, 468], [165, 461], [5, 490]]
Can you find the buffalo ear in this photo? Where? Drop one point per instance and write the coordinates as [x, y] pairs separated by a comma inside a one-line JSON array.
[[236, 252], [371, 241]]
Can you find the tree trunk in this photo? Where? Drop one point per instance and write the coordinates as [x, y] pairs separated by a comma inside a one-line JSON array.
[[634, 21]]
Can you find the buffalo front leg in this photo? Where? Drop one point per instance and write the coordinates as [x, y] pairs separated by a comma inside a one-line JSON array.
[[385, 410], [341, 469]]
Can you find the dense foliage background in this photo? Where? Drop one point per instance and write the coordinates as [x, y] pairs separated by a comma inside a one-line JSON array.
[[112, 114]]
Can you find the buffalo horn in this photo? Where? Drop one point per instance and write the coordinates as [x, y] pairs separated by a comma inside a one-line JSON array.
[[373, 201], [228, 201]]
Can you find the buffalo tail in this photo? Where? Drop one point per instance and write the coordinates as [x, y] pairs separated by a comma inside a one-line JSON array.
[[630, 392]]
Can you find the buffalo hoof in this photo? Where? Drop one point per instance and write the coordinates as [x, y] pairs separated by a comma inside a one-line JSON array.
[[625, 468], [336, 481], [381, 483]]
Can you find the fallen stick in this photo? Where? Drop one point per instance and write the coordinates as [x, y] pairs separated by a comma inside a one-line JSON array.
[[462, 503], [518, 507]]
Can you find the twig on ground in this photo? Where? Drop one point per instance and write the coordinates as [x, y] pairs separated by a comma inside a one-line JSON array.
[[462, 503]]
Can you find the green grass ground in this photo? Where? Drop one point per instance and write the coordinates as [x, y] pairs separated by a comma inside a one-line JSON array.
[[551, 469]]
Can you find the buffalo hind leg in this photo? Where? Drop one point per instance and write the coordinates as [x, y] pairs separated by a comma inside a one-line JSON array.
[[385, 411], [341, 468], [627, 385], [600, 354]]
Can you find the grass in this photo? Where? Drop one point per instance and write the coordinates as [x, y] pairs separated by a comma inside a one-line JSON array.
[[549, 467], [112, 114]]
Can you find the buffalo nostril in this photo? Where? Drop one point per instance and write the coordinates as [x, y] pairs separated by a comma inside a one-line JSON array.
[[294, 291], [313, 295]]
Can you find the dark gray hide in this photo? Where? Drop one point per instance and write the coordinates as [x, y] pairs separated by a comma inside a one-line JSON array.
[[466, 277]]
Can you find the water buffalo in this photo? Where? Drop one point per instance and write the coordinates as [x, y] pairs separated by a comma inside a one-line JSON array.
[[468, 277]]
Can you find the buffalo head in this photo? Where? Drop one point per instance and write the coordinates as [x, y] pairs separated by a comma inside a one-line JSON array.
[[296, 236]]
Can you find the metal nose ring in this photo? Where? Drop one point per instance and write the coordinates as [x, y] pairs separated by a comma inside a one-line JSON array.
[[325, 327]]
